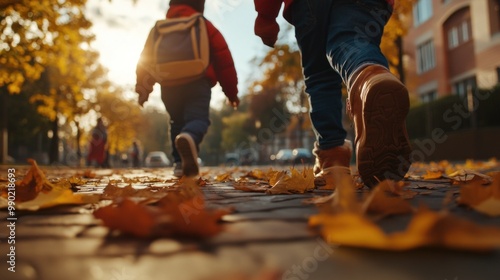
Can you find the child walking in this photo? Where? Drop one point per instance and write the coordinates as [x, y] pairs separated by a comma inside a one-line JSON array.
[[188, 104], [339, 42]]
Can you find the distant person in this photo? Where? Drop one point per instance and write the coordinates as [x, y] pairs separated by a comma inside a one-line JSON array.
[[188, 104], [135, 154], [97, 155], [339, 41]]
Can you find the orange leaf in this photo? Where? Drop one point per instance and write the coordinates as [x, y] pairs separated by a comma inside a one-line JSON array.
[[248, 187], [257, 174], [297, 182], [32, 184], [426, 229], [380, 202], [433, 175], [180, 212], [223, 177], [128, 216], [397, 188], [484, 199]]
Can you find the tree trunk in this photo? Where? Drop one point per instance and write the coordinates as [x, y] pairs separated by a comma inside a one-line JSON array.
[[4, 132], [54, 143], [78, 148], [400, 67]]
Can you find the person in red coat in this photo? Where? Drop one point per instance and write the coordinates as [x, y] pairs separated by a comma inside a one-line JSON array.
[[188, 105], [339, 41], [98, 146]]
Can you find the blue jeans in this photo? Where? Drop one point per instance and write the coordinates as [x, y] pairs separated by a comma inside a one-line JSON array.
[[336, 37], [189, 107]]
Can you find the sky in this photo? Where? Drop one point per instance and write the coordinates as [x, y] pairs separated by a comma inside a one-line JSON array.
[[121, 28]]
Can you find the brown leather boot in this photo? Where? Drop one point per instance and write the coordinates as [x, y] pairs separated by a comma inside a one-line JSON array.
[[329, 161], [378, 104]]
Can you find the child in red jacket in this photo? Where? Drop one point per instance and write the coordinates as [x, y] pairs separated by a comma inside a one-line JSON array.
[[339, 42], [188, 105]]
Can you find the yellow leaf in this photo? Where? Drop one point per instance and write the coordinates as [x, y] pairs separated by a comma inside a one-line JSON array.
[[426, 229], [484, 199], [380, 202], [297, 182], [433, 175]]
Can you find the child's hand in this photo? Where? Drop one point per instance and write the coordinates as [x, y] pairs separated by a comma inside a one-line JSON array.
[[267, 29], [235, 102], [143, 97], [143, 94]]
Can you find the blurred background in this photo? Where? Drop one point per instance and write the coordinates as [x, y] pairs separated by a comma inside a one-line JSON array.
[[66, 63]]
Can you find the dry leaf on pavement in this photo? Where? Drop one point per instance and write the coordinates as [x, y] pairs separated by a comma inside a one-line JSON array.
[[484, 199], [297, 182], [35, 192], [251, 187], [344, 222], [433, 175], [426, 229], [181, 212], [465, 175], [33, 183], [380, 201]]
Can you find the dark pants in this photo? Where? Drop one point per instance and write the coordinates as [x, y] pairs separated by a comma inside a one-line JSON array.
[[188, 106], [336, 38]]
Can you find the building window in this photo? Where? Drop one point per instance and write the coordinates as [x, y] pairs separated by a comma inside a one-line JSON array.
[[465, 31], [458, 34], [461, 87], [422, 11], [428, 97], [426, 58], [497, 14], [452, 38]]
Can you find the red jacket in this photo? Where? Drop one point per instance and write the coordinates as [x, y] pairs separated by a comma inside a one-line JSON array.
[[221, 68], [265, 24]]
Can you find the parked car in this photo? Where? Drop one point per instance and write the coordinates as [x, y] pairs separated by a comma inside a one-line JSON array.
[[241, 158], [295, 156], [302, 155], [157, 159], [284, 156]]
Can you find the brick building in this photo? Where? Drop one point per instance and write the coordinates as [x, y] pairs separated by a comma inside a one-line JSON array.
[[451, 46]]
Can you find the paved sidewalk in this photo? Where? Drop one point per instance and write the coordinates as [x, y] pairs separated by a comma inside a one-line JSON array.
[[265, 233]]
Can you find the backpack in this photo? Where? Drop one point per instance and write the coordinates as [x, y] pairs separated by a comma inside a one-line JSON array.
[[177, 50]]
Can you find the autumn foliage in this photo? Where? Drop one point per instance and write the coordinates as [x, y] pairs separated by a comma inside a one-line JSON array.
[[151, 207]]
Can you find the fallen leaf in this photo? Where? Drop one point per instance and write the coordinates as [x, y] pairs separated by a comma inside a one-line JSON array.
[[426, 229], [274, 176], [181, 212], [33, 183], [129, 217], [297, 182], [397, 188], [77, 181], [319, 199], [380, 201], [223, 177], [35, 192], [113, 191], [484, 199], [251, 187], [465, 175], [433, 175], [257, 174]]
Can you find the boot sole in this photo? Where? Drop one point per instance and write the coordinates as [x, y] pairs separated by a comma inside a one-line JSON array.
[[187, 150], [384, 150]]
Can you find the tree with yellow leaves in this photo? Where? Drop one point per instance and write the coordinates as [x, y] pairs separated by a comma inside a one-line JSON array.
[[395, 30], [124, 119], [48, 37]]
